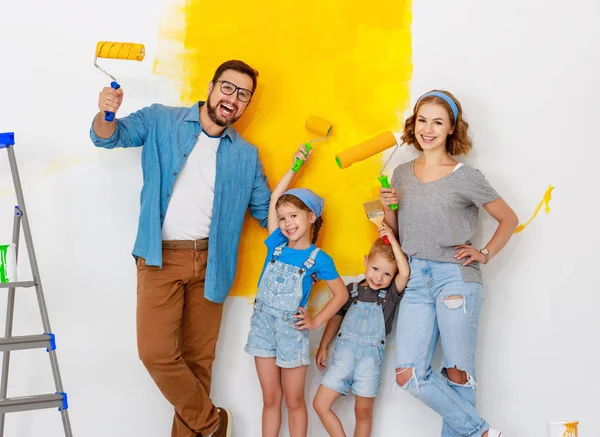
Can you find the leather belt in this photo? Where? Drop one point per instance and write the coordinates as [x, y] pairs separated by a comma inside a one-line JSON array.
[[201, 244]]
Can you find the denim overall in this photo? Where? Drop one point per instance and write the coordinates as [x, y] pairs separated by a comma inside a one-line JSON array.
[[358, 355], [272, 331]]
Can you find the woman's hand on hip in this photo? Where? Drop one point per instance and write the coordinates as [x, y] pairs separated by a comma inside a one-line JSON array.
[[469, 252]]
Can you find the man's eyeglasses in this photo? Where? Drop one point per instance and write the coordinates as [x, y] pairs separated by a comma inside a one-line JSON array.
[[228, 89]]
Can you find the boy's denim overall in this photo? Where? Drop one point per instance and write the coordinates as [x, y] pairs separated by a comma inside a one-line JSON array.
[[358, 354]]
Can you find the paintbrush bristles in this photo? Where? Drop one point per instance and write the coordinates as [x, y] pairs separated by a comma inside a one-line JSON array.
[[374, 212], [373, 206]]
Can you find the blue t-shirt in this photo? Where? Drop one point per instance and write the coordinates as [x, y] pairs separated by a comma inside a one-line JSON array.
[[323, 267]]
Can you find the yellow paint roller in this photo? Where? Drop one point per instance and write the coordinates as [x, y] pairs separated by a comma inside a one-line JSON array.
[[369, 148], [117, 50], [318, 126]]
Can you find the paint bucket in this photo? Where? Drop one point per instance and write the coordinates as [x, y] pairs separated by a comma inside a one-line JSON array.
[[8, 263], [563, 428]]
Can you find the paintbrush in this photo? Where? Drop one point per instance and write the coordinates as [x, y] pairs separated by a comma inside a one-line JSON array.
[[376, 215]]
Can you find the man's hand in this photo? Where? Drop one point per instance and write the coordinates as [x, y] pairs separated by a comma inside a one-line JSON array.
[[110, 99]]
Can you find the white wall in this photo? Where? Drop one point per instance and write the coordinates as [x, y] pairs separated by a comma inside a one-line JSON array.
[[526, 73]]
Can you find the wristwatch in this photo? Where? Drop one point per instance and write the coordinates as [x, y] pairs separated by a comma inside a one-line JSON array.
[[485, 253]]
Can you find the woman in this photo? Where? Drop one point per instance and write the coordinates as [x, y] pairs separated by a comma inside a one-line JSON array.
[[438, 204]]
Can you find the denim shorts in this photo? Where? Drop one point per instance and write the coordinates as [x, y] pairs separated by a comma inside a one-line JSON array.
[[355, 366], [273, 336]]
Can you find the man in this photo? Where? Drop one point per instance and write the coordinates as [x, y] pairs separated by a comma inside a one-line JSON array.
[[200, 177]]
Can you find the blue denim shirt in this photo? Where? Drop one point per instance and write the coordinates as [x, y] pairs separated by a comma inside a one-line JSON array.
[[168, 135]]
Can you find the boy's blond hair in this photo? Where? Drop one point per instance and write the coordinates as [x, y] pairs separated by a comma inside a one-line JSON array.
[[379, 247]]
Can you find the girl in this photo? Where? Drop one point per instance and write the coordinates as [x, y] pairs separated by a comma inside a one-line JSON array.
[[278, 337], [363, 324], [439, 200]]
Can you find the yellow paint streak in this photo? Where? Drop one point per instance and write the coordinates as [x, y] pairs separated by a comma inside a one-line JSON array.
[[545, 201], [62, 163], [571, 429], [348, 64]]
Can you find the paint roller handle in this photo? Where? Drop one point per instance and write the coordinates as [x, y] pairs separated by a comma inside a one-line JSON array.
[[108, 115], [299, 162], [383, 180]]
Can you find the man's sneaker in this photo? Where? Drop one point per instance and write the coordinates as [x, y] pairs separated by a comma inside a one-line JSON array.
[[224, 429], [494, 433]]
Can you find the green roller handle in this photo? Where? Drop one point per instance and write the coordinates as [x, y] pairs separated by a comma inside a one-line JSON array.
[[299, 162], [383, 180]]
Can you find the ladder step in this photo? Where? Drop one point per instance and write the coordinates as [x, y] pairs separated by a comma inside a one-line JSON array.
[[27, 342], [38, 402], [24, 284]]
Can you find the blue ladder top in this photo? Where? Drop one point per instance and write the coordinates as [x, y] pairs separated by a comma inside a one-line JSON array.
[[7, 139]]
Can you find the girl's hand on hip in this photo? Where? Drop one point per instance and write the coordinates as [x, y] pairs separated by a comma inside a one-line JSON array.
[[306, 321], [469, 252]]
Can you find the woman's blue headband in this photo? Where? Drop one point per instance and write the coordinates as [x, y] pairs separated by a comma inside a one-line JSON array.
[[444, 97]]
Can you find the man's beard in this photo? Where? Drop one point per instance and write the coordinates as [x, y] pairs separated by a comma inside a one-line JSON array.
[[216, 119]]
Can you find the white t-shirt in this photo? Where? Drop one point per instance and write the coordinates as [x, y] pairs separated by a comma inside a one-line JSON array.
[[190, 209]]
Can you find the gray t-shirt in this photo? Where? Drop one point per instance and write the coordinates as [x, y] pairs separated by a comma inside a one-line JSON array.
[[436, 216], [366, 294]]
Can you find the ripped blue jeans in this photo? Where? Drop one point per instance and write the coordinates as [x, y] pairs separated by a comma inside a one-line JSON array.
[[438, 304]]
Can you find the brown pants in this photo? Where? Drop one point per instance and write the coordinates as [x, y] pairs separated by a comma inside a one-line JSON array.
[[177, 331]]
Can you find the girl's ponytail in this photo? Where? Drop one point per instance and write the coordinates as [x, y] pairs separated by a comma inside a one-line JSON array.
[[316, 227]]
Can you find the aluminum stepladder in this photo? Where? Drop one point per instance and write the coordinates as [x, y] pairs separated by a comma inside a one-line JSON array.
[[46, 340]]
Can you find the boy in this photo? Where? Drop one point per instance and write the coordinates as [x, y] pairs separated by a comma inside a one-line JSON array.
[[365, 321]]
